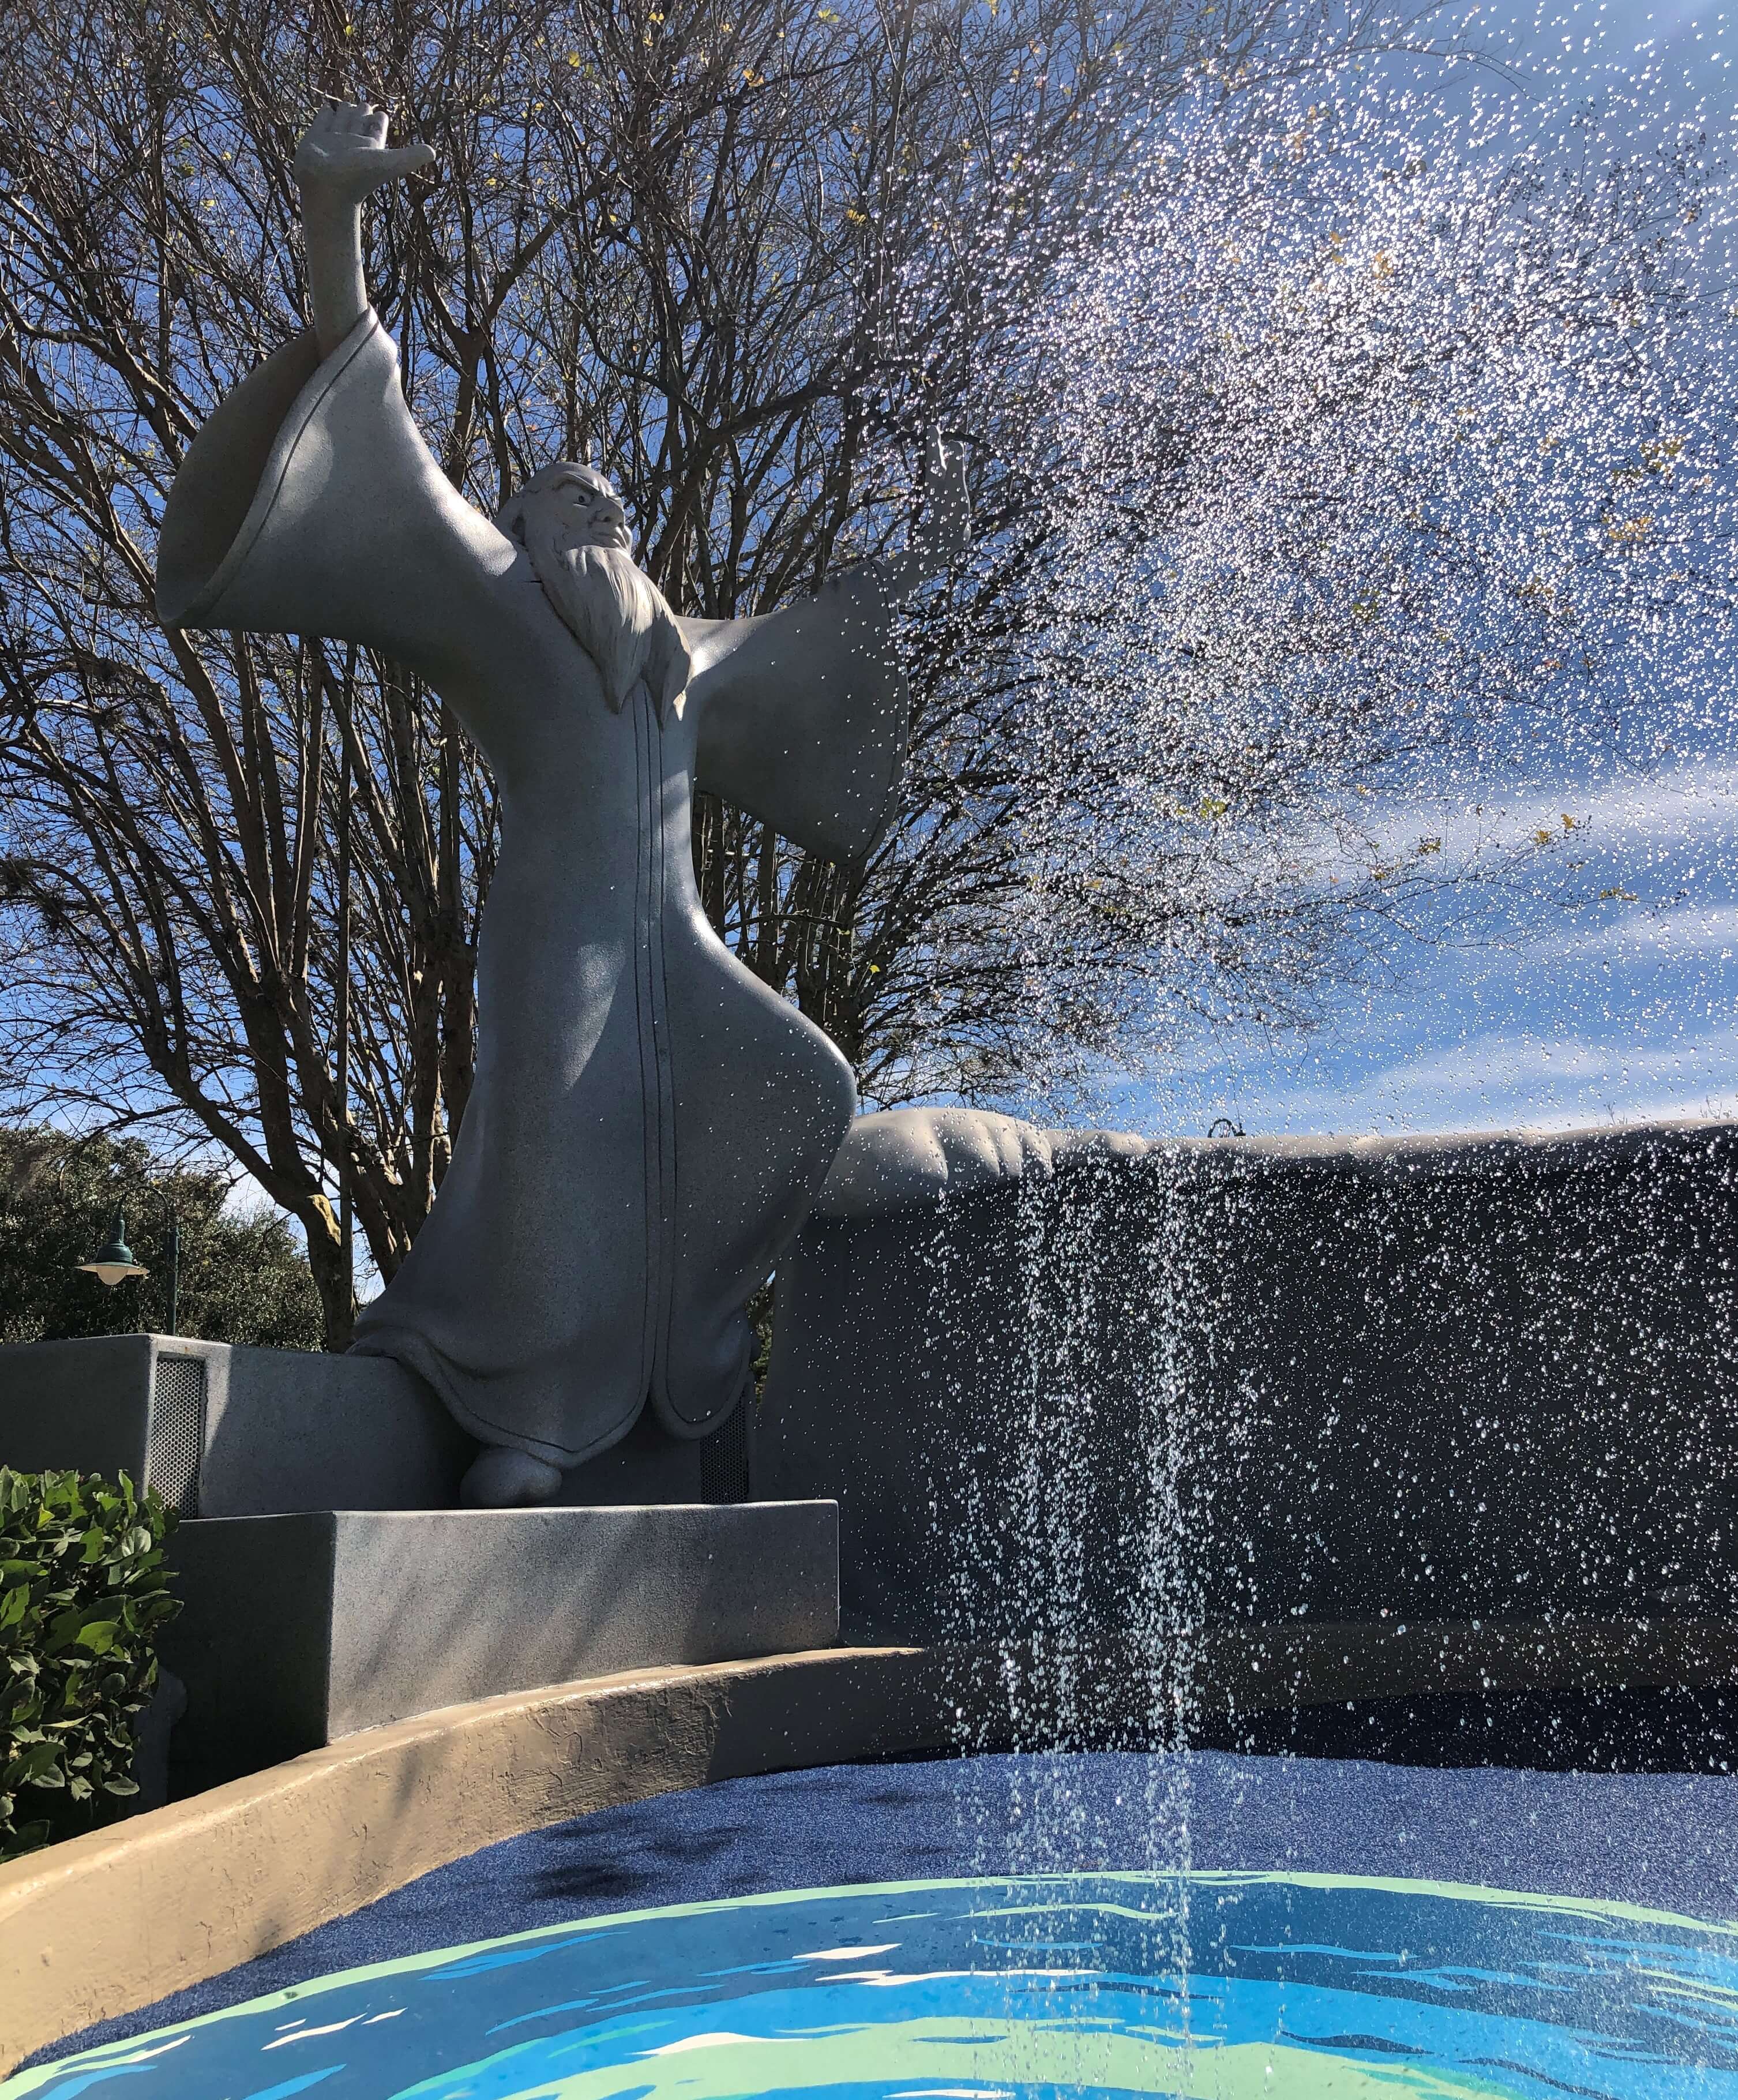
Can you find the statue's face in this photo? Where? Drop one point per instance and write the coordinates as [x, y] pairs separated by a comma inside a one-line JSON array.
[[590, 511], [574, 530]]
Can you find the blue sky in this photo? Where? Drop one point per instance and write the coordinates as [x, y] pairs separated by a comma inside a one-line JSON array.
[[1571, 1010], [1564, 1013]]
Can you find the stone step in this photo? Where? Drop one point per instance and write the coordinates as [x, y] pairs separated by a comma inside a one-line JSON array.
[[298, 1630]]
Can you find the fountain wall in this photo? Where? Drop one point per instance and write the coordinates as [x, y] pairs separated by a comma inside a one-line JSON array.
[[1260, 1382]]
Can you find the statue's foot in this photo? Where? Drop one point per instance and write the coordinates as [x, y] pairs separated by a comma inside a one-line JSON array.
[[502, 1478]]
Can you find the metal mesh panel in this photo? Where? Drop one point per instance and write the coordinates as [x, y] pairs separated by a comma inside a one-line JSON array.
[[723, 1458], [177, 1431]]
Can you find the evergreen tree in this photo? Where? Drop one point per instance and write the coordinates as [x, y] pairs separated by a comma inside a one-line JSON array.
[[243, 1278]]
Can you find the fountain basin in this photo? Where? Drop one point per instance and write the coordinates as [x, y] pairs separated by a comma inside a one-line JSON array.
[[1217, 1986]]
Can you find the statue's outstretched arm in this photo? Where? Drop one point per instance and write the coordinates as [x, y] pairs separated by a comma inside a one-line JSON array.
[[309, 502], [802, 713], [341, 160]]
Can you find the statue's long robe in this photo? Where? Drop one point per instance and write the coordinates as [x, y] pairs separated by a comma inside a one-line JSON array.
[[649, 1121]]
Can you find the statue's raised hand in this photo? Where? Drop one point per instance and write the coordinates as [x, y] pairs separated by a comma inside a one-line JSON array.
[[343, 157]]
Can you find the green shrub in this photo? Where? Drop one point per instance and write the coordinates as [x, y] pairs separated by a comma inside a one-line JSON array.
[[83, 1592]]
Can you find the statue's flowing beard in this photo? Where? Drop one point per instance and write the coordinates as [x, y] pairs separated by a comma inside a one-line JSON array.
[[616, 613]]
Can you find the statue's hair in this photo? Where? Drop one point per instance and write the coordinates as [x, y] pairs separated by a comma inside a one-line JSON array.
[[612, 608]]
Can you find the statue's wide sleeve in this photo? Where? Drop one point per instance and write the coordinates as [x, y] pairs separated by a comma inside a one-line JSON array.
[[802, 715], [309, 504]]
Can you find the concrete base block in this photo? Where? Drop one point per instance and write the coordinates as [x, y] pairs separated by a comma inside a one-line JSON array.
[[221, 1431], [297, 1630], [227, 1431]]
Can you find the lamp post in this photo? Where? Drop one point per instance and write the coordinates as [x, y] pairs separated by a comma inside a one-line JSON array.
[[114, 1262], [340, 1020]]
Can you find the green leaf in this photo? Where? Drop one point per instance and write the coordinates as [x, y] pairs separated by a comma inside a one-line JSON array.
[[40, 1766], [82, 1591], [64, 1627], [24, 1837]]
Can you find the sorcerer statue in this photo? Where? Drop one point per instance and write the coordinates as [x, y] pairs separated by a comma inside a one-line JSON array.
[[649, 1121]]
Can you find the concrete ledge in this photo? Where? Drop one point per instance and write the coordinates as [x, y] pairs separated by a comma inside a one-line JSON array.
[[106, 1923]]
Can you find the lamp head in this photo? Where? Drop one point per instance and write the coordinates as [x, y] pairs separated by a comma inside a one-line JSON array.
[[113, 1263]]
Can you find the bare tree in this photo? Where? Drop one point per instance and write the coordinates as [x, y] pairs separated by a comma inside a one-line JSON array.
[[743, 252]]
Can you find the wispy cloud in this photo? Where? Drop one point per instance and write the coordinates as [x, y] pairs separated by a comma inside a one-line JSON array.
[[1710, 931], [1611, 997], [1508, 1080]]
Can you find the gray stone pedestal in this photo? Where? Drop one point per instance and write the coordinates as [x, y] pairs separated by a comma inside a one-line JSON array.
[[299, 1629]]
